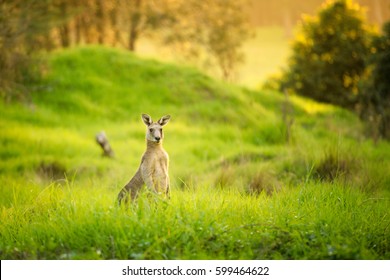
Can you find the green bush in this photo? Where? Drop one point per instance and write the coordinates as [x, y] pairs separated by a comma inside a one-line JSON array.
[[329, 54], [375, 89]]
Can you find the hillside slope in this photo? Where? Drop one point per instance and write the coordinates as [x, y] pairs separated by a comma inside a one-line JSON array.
[[227, 146], [92, 89]]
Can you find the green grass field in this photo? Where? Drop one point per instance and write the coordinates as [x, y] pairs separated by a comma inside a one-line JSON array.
[[239, 189]]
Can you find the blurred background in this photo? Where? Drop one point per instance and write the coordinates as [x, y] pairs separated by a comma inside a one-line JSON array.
[[243, 40], [267, 97], [248, 42]]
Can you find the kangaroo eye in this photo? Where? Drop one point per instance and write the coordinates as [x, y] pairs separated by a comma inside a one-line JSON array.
[[151, 129]]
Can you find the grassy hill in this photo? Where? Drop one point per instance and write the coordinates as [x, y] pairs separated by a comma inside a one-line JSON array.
[[239, 189]]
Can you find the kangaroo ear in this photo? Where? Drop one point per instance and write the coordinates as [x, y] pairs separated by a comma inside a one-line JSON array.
[[164, 120], [147, 119]]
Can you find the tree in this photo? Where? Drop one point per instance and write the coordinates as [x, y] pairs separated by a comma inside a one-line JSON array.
[[228, 29], [24, 28], [64, 28], [213, 31], [375, 89], [329, 55]]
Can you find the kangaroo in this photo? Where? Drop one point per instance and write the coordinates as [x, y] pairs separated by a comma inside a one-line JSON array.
[[153, 170]]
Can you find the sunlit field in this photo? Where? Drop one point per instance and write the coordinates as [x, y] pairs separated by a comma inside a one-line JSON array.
[[242, 188]]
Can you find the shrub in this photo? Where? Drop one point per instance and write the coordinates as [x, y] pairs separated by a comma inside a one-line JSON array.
[[375, 89], [336, 165], [226, 177], [329, 55], [263, 181], [52, 170]]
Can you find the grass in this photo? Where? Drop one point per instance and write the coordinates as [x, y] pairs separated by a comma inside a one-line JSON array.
[[63, 222], [239, 190]]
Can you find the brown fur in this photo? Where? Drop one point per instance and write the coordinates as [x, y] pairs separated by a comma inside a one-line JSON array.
[[153, 170]]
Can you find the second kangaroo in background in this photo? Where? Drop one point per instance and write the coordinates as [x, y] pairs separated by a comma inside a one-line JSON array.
[[153, 170]]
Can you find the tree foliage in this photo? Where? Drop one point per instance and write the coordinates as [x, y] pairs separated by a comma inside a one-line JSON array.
[[375, 88], [329, 55], [23, 24], [214, 30]]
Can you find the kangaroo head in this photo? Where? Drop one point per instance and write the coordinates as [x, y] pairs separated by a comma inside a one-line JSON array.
[[154, 130]]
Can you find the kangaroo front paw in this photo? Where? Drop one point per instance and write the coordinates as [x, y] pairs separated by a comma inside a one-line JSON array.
[[122, 196]]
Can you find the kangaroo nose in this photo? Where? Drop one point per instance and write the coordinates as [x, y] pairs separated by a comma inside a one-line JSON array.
[[157, 138]]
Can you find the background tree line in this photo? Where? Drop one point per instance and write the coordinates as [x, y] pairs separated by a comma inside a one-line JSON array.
[[212, 31]]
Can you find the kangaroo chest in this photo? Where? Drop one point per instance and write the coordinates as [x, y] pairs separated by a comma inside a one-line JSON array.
[[155, 163]]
